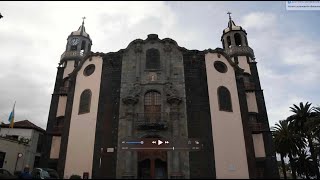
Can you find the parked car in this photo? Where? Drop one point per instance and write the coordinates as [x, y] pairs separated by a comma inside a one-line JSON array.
[[5, 174], [44, 173]]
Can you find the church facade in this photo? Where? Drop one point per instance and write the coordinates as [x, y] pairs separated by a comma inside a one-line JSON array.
[[156, 89]]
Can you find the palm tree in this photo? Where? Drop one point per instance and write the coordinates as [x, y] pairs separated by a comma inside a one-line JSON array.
[[314, 122], [301, 122], [287, 142], [282, 156], [305, 166]]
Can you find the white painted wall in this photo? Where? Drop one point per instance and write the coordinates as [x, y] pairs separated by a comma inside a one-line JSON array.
[[69, 68], [13, 148], [55, 147], [227, 132], [258, 145], [62, 106], [82, 127], [244, 64], [252, 102]]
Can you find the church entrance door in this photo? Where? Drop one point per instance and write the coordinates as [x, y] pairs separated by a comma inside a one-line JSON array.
[[152, 165]]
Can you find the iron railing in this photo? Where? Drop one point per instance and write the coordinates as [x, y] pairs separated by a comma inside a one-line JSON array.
[[258, 127], [72, 55], [147, 121]]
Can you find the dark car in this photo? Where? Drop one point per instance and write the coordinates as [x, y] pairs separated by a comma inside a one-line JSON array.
[[5, 174], [44, 173]]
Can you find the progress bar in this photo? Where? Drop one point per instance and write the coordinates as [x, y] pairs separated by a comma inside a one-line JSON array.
[[173, 148]]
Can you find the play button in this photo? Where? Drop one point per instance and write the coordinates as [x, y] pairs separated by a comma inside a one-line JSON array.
[[159, 142]]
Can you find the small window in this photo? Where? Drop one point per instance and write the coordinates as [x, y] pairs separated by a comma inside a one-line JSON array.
[[66, 82], [237, 39], [229, 41], [83, 45], [153, 59], [223, 43], [89, 70], [85, 102], [224, 99], [73, 48], [220, 66], [246, 78]]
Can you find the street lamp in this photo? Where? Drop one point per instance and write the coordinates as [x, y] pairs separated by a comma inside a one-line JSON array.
[[18, 157]]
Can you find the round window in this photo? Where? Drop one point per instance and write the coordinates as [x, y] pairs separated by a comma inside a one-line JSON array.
[[89, 70], [220, 66]]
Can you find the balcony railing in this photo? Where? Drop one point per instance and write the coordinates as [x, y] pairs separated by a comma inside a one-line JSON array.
[[239, 50], [249, 86], [72, 55], [148, 121], [258, 127]]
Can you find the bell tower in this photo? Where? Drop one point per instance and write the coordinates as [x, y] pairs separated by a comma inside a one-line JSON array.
[[78, 45], [261, 157], [235, 43]]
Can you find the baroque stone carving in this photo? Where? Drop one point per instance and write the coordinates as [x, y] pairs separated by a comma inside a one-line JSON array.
[[138, 48], [135, 91], [133, 94], [170, 90], [172, 94], [167, 47]]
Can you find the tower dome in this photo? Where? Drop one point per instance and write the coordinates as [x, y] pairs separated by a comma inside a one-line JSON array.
[[81, 31]]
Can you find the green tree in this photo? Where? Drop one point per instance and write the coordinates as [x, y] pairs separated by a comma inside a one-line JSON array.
[[300, 122], [287, 142]]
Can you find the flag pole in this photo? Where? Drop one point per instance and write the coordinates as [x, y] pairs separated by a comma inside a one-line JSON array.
[[12, 116]]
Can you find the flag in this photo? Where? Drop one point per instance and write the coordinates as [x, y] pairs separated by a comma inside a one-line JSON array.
[[11, 117]]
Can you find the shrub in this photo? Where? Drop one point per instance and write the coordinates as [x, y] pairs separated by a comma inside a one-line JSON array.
[[74, 176]]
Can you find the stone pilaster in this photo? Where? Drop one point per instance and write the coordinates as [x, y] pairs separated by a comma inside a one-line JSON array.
[[176, 172], [130, 103]]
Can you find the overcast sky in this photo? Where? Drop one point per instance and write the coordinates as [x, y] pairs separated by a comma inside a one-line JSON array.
[[33, 37]]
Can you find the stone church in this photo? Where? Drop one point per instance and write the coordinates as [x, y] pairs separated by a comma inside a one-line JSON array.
[[154, 88]]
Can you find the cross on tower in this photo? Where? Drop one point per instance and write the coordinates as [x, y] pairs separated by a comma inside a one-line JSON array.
[[83, 18], [229, 15]]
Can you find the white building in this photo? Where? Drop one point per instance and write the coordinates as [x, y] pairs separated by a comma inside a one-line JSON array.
[[25, 139]]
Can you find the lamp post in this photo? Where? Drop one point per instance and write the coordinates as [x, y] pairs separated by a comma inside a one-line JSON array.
[[18, 157]]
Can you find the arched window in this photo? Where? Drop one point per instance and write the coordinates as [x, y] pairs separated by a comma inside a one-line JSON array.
[[152, 106], [229, 41], [66, 82], [224, 99], [223, 44], [85, 101], [246, 78], [153, 59], [237, 39], [83, 45]]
